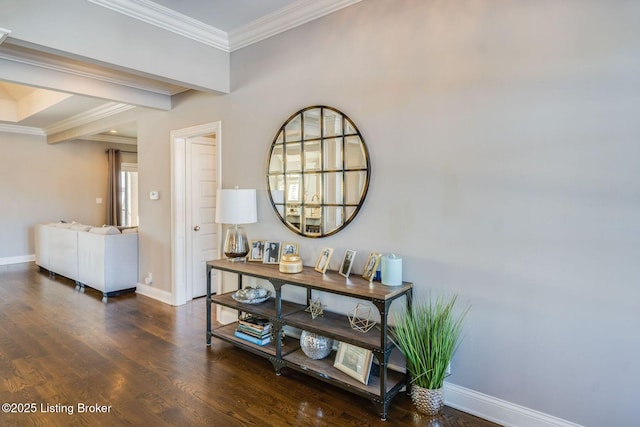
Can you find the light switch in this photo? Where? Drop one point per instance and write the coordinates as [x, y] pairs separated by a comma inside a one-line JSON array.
[[98, 200], [154, 195]]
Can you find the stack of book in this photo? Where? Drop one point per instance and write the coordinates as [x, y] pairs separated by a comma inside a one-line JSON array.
[[254, 330]]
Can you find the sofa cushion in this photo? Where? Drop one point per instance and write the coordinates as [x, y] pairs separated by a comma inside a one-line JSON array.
[[62, 224], [105, 230], [80, 227]]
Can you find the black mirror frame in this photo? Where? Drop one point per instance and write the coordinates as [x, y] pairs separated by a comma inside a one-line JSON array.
[[303, 204]]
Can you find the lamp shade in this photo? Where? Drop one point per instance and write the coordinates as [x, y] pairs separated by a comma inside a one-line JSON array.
[[236, 206]]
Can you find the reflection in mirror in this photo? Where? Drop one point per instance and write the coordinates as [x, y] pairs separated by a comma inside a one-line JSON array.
[[333, 217], [311, 124], [318, 171], [312, 156], [313, 188], [332, 123], [294, 157], [354, 155], [292, 130], [333, 188], [333, 154], [293, 194], [275, 163], [353, 185], [293, 216]]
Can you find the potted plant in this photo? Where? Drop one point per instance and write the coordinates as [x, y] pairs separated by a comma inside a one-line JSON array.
[[428, 334]]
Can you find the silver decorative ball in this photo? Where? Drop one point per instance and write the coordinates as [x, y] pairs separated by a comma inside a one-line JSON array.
[[315, 346]]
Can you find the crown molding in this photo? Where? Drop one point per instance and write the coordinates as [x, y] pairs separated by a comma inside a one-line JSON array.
[[170, 20], [112, 139], [27, 130], [294, 15], [4, 34], [291, 16], [98, 113]]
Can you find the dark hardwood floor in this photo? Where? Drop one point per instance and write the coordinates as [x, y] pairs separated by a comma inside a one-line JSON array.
[[65, 355]]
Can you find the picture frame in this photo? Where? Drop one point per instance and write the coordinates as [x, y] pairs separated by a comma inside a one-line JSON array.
[[290, 248], [256, 250], [272, 252], [371, 266], [323, 260], [347, 263], [354, 361]]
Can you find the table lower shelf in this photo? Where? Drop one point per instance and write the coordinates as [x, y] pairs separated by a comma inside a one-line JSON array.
[[293, 357], [325, 370], [227, 333]]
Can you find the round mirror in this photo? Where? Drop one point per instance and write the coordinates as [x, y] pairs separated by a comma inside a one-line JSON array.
[[318, 171]]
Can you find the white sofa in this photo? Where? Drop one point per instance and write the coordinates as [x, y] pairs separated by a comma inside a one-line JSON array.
[[102, 258]]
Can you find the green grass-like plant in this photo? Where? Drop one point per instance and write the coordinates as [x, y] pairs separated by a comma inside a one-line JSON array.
[[428, 335]]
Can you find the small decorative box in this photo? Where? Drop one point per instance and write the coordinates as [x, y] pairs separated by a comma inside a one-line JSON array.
[[290, 264]]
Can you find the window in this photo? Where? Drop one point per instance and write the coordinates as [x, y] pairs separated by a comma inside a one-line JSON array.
[[129, 194]]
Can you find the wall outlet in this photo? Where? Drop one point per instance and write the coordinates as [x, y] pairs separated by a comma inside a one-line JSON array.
[[149, 279]]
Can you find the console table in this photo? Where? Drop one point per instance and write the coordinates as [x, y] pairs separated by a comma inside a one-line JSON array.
[[287, 353]]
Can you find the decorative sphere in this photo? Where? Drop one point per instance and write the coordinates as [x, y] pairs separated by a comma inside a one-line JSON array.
[[315, 346]]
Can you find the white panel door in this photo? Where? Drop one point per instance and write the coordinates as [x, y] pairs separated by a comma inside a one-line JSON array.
[[204, 241]]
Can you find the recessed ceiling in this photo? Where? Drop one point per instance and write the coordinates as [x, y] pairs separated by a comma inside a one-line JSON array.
[[41, 111], [15, 92]]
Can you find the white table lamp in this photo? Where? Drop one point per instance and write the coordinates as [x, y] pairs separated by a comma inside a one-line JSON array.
[[236, 206]]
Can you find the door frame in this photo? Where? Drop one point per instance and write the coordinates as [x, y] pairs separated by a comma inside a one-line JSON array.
[[180, 220]]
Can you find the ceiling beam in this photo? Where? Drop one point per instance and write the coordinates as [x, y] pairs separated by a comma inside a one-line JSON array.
[[91, 123], [112, 139], [40, 74], [115, 41], [4, 34]]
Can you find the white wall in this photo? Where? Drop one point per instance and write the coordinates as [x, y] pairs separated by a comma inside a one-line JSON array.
[[504, 145]]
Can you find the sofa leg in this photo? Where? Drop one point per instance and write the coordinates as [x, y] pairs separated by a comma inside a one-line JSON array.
[[104, 298], [77, 286], [82, 288]]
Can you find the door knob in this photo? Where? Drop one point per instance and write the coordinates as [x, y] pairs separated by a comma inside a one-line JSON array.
[[196, 228]]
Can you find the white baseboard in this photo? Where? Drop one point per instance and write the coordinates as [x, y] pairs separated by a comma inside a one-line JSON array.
[[497, 410], [155, 293], [17, 259], [472, 402]]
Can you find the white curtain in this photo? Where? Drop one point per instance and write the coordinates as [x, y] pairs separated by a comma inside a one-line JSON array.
[[114, 205]]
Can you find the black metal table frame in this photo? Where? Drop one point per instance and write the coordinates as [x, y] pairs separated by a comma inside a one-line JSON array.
[[382, 354]]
